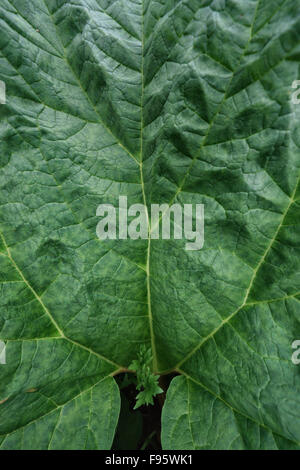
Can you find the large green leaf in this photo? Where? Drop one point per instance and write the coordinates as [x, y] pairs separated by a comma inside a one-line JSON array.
[[163, 101]]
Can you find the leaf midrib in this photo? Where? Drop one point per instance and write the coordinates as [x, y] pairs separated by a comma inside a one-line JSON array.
[[148, 282]]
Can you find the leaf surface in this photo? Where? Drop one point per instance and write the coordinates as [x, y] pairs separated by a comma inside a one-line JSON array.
[[182, 101]]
